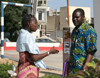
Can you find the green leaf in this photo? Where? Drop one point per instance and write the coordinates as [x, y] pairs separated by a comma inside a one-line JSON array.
[[75, 69], [80, 76], [90, 64], [51, 76], [72, 74], [95, 60], [86, 73], [98, 75]]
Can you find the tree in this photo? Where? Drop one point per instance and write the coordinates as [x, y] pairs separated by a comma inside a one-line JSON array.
[[13, 16]]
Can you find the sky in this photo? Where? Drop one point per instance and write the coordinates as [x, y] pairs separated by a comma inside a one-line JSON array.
[[56, 4]]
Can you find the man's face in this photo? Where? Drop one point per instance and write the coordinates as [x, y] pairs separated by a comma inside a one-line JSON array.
[[77, 18]]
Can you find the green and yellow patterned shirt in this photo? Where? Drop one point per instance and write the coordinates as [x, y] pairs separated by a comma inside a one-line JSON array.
[[83, 41]]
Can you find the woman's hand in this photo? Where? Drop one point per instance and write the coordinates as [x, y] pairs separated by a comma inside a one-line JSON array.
[[53, 51], [36, 57]]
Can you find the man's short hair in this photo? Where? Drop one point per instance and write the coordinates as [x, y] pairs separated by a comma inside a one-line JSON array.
[[79, 10]]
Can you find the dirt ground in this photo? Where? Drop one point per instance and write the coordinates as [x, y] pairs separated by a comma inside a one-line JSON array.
[[42, 71]]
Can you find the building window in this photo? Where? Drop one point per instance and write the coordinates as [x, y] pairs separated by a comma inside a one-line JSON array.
[[40, 15], [44, 2], [47, 13], [39, 3]]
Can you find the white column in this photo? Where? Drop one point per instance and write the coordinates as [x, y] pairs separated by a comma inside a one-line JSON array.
[[37, 15], [42, 2], [43, 14]]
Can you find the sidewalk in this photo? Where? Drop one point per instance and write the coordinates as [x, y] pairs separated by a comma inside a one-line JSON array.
[[53, 61]]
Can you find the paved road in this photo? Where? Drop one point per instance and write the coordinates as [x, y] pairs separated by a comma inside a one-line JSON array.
[[53, 61]]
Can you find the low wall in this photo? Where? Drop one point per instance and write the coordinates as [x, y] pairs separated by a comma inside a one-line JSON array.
[[42, 46]]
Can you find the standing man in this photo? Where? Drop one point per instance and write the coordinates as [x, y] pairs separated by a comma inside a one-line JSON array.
[[83, 42]]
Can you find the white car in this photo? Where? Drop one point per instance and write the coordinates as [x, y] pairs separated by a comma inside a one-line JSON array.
[[45, 39]]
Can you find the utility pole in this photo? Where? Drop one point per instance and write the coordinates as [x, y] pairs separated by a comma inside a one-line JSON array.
[[34, 7], [68, 13], [56, 24]]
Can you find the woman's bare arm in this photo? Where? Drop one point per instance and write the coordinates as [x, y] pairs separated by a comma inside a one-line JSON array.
[[37, 57]]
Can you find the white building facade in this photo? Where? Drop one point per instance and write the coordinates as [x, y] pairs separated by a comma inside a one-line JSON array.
[[41, 15]]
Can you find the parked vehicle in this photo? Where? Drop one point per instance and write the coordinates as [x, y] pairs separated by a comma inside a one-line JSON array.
[[45, 39]]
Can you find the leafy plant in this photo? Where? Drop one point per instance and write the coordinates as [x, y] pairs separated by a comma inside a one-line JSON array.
[[4, 68], [52, 76], [13, 16], [93, 70]]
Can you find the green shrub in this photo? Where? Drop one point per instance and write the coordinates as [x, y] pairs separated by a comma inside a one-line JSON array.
[[4, 67], [93, 70], [52, 76]]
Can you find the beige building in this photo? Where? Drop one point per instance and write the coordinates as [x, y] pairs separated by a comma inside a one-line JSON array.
[[53, 20], [53, 23], [56, 22], [63, 18]]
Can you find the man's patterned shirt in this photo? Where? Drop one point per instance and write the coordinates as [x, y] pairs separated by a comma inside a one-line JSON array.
[[83, 41]]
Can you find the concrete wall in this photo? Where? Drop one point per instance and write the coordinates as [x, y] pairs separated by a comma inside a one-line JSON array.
[[63, 16], [58, 34], [57, 22], [50, 23], [96, 6]]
